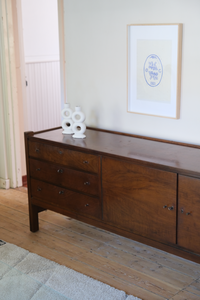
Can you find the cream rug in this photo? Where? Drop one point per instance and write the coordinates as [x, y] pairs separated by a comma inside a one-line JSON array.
[[27, 276]]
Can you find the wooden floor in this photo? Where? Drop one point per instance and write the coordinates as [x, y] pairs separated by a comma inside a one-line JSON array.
[[142, 271]]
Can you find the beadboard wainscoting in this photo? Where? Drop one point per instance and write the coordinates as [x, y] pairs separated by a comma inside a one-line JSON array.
[[43, 95]]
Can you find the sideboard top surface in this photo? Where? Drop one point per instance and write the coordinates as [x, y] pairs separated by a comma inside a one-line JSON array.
[[177, 158]]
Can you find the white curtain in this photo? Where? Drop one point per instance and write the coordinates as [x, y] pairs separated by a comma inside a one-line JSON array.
[[10, 148]]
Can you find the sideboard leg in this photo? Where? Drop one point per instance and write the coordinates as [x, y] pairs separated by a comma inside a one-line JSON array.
[[33, 218]]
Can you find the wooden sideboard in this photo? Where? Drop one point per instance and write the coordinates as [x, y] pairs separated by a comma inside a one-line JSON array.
[[141, 188]]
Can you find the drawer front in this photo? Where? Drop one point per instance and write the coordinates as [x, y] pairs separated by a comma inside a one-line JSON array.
[[73, 159], [66, 199], [189, 213], [62, 176], [140, 199]]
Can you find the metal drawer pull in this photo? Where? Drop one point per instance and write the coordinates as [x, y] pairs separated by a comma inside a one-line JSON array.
[[188, 213], [60, 171], [39, 189], [165, 206], [170, 208], [37, 150], [85, 162], [61, 192], [60, 152], [87, 183], [86, 204], [38, 169]]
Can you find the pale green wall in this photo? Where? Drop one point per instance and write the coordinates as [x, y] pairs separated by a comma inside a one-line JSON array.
[[96, 63]]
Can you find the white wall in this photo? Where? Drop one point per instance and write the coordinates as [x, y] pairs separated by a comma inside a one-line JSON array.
[[96, 64], [43, 94], [41, 50], [40, 30]]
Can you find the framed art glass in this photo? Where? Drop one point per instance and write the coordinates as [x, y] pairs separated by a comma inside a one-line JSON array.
[[154, 69]]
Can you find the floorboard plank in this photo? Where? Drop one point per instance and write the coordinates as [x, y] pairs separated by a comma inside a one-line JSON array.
[[32, 246], [194, 287], [140, 270], [184, 295], [115, 255], [90, 258]]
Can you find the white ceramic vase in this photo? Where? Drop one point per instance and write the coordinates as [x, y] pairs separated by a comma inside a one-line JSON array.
[[67, 122], [78, 126]]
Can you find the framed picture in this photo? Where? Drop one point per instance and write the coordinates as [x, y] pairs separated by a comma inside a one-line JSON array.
[[154, 69]]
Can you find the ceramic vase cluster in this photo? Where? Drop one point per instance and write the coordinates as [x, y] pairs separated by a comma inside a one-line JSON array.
[[73, 122]]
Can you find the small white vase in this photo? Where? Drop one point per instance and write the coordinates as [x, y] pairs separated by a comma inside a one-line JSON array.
[[78, 126], [78, 115], [67, 122], [79, 129]]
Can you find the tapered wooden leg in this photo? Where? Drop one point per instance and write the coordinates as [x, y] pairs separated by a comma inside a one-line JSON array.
[[33, 218]]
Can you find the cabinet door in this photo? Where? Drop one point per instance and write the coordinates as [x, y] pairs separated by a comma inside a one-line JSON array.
[[189, 213], [139, 199]]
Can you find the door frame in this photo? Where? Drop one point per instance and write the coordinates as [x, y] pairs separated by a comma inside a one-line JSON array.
[[13, 86], [61, 28]]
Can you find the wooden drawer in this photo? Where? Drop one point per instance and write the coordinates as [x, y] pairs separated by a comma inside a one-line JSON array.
[[73, 159], [62, 176], [66, 199]]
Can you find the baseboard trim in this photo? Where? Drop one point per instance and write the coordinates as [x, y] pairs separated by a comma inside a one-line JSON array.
[[24, 180], [4, 183]]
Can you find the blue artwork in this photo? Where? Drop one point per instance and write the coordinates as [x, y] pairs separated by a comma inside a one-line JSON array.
[[153, 70]]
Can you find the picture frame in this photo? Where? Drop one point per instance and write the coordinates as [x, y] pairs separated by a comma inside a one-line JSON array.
[[154, 69]]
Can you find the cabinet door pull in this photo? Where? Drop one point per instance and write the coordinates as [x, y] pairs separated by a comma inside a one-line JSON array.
[[170, 208], [39, 189], [85, 162], [37, 150], [60, 152], [60, 171], [165, 206], [182, 211], [38, 169], [86, 205], [87, 183], [188, 213], [61, 192]]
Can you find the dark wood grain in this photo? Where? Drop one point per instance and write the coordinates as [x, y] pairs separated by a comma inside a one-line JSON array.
[[65, 177], [134, 197], [146, 137], [171, 157], [65, 199], [24, 180], [72, 159], [33, 209], [189, 213], [134, 182]]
